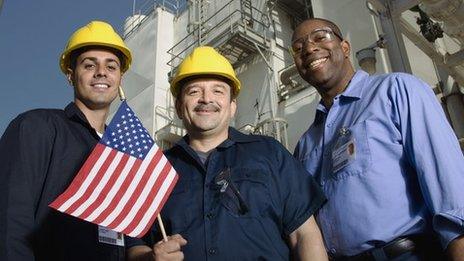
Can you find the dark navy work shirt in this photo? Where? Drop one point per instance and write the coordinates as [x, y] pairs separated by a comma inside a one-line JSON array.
[[277, 193], [40, 153]]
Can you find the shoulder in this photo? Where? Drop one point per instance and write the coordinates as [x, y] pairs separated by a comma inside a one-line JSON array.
[[36, 121], [264, 142], [397, 80]]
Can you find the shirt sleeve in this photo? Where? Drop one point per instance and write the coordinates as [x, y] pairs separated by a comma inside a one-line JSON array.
[[433, 150], [301, 195], [24, 158]]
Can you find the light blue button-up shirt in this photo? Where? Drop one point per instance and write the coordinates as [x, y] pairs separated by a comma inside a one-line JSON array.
[[406, 175]]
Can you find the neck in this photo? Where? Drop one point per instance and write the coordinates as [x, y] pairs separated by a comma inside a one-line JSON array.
[[328, 93], [201, 141], [96, 117]]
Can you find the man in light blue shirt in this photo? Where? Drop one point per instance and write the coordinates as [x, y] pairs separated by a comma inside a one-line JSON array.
[[384, 154]]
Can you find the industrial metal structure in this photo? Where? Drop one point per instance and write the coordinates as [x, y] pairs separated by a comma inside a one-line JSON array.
[[425, 38]]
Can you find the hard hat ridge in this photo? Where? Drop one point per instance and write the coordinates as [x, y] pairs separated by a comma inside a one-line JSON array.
[[96, 33], [204, 61]]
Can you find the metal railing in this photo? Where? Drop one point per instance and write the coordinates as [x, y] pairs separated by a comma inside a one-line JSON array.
[[233, 18], [273, 127], [148, 6]]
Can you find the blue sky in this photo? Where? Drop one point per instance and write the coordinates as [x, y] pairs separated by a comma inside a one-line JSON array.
[[32, 36]]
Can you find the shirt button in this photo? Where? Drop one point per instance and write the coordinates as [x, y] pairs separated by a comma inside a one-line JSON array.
[[322, 183], [212, 251], [333, 251], [209, 215], [329, 125]]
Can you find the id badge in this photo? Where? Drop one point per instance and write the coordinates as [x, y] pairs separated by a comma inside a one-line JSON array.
[[108, 236], [344, 150]]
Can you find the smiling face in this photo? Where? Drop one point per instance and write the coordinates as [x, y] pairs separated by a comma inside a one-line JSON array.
[[96, 79], [206, 107], [324, 64]]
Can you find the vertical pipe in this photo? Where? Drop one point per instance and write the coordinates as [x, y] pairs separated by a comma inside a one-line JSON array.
[[394, 40]]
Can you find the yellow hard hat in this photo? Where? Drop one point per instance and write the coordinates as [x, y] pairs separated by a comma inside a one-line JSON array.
[[95, 33], [204, 60]]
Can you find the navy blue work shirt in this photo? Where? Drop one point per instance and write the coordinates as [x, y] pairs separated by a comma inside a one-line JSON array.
[[40, 153], [277, 193]]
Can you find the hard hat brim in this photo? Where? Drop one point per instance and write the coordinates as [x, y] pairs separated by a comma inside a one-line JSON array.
[[177, 82], [65, 56]]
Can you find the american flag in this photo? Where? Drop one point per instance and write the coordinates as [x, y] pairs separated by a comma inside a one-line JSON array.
[[124, 182]]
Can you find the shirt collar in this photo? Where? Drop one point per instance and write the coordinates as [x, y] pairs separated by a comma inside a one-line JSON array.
[[74, 113], [353, 91]]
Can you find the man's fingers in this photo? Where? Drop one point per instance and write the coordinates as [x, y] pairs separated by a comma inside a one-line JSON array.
[[173, 245], [179, 239]]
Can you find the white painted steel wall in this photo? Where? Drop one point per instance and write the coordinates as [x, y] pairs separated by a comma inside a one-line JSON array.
[[146, 83]]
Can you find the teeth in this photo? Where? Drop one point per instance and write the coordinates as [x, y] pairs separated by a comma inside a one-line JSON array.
[[317, 62], [101, 85]]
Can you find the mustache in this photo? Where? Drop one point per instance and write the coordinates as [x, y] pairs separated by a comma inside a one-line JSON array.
[[206, 107]]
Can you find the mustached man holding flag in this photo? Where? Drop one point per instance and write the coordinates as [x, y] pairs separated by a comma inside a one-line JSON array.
[[42, 150], [238, 197]]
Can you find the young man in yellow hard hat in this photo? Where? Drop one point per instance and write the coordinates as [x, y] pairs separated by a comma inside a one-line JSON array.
[[42, 150], [239, 197]]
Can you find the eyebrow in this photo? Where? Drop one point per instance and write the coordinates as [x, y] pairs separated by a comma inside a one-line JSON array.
[[222, 85], [95, 59]]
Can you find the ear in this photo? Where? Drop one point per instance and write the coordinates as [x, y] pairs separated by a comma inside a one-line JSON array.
[[69, 76], [346, 47], [233, 107]]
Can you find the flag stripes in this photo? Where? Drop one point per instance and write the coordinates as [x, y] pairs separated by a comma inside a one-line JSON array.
[[124, 182]]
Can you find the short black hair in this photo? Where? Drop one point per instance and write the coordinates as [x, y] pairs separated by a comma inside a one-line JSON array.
[[75, 53], [329, 23]]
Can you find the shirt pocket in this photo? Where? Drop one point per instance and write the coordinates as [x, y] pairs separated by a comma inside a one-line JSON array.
[[252, 185], [311, 160], [363, 160]]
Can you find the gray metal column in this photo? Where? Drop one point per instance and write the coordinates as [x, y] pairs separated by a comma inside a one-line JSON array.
[[396, 50]]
